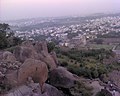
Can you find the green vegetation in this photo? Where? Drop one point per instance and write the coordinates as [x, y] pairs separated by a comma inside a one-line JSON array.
[[51, 46], [80, 89], [110, 35], [101, 46], [7, 38], [87, 63]]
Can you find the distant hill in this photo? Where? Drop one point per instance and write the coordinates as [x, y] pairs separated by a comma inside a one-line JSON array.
[[33, 23]]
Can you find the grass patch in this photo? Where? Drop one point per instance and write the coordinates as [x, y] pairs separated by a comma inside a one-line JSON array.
[[101, 46]]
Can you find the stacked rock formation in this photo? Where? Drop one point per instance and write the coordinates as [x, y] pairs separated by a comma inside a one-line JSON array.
[[28, 65], [28, 60]]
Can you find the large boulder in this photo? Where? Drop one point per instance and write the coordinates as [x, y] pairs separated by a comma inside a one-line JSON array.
[[35, 69], [47, 58], [42, 50], [62, 78], [30, 68]]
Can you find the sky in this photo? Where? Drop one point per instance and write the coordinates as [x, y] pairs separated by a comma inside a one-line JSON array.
[[21, 9]]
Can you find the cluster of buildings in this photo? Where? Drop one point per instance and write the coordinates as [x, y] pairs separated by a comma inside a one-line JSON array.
[[75, 34]]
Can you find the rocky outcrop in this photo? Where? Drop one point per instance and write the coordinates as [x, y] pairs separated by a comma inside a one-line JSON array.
[[30, 91], [36, 51], [18, 74], [29, 64], [7, 56], [62, 78]]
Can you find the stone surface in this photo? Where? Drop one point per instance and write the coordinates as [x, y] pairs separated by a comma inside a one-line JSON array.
[[8, 56], [52, 91], [115, 77], [36, 51], [22, 53], [35, 69], [11, 79], [49, 61], [29, 61], [30, 68], [29, 91], [53, 54], [60, 77], [41, 46]]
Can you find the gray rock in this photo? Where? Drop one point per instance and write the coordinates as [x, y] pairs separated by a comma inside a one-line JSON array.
[[60, 77], [52, 91]]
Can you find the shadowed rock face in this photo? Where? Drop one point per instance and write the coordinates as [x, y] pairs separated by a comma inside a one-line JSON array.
[[60, 77]]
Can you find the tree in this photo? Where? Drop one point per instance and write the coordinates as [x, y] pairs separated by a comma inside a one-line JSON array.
[[7, 38], [98, 41], [95, 73], [3, 35], [51, 46], [104, 92], [64, 64], [4, 27]]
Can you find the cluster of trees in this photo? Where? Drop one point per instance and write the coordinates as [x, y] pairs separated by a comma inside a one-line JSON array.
[[81, 55], [7, 38], [110, 35], [90, 73], [97, 41], [87, 63]]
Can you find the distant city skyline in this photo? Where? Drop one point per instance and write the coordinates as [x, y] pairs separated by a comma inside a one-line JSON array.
[[21, 9]]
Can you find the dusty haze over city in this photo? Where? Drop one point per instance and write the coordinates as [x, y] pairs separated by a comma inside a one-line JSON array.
[[19, 9]]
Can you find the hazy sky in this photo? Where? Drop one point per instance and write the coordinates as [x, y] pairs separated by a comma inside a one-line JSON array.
[[17, 9]]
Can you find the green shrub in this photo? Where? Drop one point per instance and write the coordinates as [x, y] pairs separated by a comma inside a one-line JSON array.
[[64, 63]]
